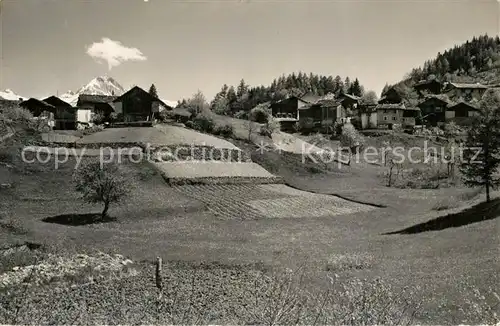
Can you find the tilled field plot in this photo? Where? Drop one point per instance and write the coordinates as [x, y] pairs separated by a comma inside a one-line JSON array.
[[246, 201]]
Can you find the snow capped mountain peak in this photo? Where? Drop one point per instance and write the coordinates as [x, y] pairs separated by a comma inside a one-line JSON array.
[[8, 94], [101, 85]]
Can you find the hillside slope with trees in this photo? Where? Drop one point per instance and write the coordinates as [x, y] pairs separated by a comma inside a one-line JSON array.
[[475, 61], [243, 97]]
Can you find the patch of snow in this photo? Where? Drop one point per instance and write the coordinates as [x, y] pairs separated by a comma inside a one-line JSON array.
[[172, 104], [8, 94]]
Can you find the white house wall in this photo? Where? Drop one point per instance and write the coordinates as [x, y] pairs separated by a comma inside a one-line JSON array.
[[449, 115], [118, 107], [84, 115]]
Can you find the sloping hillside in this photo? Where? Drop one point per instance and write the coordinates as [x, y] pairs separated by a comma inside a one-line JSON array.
[[475, 61]]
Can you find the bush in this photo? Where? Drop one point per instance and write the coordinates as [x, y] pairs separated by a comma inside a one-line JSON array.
[[189, 124], [241, 115], [306, 125], [270, 127], [116, 117], [351, 138], [259, 114], [204, 122], [98, 118], [226, 130], [16, 115], [166, 115], [92, 129]]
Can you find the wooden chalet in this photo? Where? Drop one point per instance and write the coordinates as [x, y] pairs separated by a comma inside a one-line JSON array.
[[433, 109], [137, 105], [462, 113], [90, 105], [65, 115], [467, 92], [37, 107], [428, 87]]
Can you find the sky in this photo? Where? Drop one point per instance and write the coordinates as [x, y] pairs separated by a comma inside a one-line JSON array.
[[51, 46]]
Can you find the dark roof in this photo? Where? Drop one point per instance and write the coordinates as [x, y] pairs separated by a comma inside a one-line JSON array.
[[461, 103], [334, 103], [37, 102], [439, 97], [310, 97], [476, 85], [390, 106], [87, 98], [138, 89], [350, 96], [427, 82], [56, 101], [290, 98]]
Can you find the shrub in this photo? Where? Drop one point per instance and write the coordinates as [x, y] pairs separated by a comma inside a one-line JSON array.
[[241, 115], [166, 115], [259, 114], [226, 130], [92, 129], [189, 124], [306, 125], [116, 117], [204, 122], [397, 129], [270, 127], [101, 183], [98, 118], [16, 115], [351, 138]]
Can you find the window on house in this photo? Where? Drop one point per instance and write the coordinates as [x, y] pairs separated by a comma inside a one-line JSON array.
[[393, 118], [385, 118], [438, 109], [385, 111]]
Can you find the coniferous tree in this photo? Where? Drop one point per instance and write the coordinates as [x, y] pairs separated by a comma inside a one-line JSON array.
[[153, 91], [481, 156], [347, 85]]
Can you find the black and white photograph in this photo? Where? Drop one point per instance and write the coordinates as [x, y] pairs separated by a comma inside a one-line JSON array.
[[249, 162]]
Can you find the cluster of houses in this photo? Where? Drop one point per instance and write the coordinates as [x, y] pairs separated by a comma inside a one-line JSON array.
[[135, 105], [438, 104]]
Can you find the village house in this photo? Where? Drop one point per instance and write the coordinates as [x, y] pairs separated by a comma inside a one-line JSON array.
[[323, 112], [138, 105], [466, 92], [88, 106], [462, 113], [428, 87], [389, 114], [64, 115], [288, 108], [320, 111], [36, 106], [350, 103], [433, 110]]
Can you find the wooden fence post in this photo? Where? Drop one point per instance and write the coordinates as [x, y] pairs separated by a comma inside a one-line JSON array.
[[158, 279]]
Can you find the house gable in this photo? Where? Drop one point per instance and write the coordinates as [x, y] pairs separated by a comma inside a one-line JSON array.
[[57, 102]]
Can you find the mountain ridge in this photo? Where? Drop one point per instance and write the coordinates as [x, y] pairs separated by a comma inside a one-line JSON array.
[[9, 95]]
